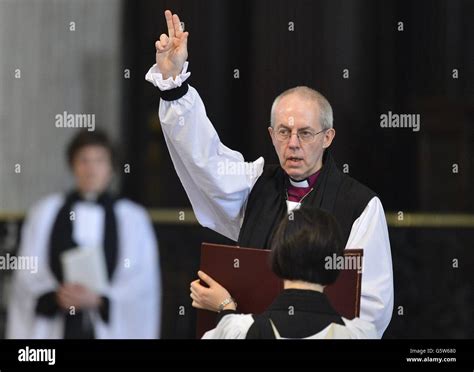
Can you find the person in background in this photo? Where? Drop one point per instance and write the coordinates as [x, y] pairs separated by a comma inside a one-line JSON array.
[[43, 305], [299, 250]]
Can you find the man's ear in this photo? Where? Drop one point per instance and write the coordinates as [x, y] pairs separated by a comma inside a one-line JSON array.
[[270, 131], [329, 137]]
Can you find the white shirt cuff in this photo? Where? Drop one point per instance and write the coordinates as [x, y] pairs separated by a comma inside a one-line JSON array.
[[155, 77]]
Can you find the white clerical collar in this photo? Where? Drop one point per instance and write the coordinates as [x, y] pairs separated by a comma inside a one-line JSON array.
[[303, 183]]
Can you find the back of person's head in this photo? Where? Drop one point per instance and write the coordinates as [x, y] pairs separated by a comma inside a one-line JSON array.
[[302, 243]]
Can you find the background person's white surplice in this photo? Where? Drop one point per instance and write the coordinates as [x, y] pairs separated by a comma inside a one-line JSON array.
[[135, 290]]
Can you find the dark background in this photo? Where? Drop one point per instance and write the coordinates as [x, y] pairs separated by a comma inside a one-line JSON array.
[[404, 72]]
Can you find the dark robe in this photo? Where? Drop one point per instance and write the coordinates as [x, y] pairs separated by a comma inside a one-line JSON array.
[[78, 326]]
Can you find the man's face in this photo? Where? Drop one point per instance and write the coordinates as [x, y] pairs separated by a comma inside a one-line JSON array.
[[297, 114], [92, 169]]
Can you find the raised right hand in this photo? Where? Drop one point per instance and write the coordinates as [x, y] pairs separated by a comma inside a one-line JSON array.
[[172, 49]]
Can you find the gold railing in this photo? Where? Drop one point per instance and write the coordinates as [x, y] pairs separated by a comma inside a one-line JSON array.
[[176, 216], [435, 220]]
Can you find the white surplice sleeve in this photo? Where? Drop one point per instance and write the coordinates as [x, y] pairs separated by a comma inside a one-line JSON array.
[[135, 292], [236, 326], [27, 286], [352, 329], [370, 233], [217, 179], [232, 326]]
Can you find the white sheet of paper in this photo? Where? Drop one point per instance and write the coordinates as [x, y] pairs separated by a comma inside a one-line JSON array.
[[86, 266]]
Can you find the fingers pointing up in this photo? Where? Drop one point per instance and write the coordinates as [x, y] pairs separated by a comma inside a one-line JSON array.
[[174, 25], [169, 23], [177, 26]]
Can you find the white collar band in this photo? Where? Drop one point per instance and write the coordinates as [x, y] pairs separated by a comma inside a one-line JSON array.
[[303, 183]]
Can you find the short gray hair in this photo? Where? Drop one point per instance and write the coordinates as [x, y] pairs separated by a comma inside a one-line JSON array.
[[325, 114]]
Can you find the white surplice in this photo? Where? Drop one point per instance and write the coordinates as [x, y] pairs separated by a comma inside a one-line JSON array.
[[135, 290], [236, 326], [219, 198]]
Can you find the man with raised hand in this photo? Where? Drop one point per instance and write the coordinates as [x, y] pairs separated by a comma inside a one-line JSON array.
[[246, 206]]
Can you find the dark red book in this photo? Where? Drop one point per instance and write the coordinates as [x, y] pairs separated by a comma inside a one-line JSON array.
[[246, 274]]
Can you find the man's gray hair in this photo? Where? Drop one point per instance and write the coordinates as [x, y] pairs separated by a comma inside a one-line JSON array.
[[325, 109]]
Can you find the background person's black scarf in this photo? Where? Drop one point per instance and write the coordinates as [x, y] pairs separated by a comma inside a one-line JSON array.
[[78, 325], [333, 192]]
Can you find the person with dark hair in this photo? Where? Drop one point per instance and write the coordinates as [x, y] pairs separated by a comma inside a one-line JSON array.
[[245, 200], [46, 304], [85, 138], [302, 244]]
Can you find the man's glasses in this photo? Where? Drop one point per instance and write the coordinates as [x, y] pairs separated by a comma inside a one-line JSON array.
[[304, 135]]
